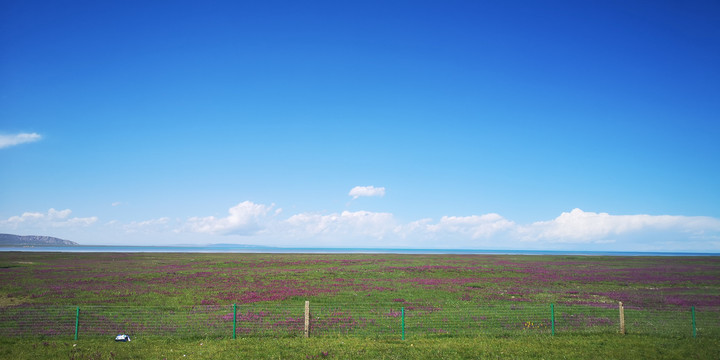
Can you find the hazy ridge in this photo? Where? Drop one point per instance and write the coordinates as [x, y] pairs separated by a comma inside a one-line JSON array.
[[33, 240]]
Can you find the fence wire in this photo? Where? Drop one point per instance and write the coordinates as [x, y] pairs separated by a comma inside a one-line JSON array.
[[394, 320], [454, 320], [26, 320], [354, 319], [586, 319], [707, 323]]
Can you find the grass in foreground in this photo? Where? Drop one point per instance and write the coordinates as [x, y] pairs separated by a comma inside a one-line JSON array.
[[608, 346]]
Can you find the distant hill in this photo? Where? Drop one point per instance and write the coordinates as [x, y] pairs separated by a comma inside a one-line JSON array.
[[250, 246], [33, 240]]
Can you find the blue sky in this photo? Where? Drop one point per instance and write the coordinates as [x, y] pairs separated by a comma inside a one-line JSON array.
[[571, 125]]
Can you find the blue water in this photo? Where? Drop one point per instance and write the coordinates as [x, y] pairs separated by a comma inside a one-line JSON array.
[[310, 250]]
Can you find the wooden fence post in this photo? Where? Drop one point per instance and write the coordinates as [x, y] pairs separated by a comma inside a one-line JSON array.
[[622, 318], [307, 318]]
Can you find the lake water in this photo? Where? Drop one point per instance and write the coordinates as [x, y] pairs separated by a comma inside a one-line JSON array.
[[308, 250]]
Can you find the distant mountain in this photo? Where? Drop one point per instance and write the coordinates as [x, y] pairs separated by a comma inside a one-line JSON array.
[[242, 246], [33, 240]]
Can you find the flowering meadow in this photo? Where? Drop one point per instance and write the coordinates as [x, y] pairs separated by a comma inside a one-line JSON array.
[[181, 294]]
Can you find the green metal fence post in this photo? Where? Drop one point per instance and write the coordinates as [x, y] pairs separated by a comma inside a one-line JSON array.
[[402, 314], [552, 318], [77, 321], [693, 322], [234, 320]]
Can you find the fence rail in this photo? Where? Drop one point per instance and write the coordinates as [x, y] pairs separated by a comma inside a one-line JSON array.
[[396, 320]]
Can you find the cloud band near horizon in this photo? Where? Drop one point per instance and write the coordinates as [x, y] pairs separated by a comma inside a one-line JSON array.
[[261, 224]]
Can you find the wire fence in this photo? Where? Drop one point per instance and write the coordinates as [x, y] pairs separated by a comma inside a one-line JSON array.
[[395, 320]]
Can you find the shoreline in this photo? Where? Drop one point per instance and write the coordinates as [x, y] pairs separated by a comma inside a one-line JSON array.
[[308, 250]]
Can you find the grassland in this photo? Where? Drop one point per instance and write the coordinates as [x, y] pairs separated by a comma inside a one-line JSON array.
[[539, 347], [457, 306], [151, 279]]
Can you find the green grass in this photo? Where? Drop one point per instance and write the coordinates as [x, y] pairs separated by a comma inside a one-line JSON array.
[[456, 306], [191, 279], [526, 347]]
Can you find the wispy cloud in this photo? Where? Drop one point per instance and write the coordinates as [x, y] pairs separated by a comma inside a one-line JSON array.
[[17, 139], [53, 218], [344, 225], [152, 225], [472, 227], [359, 191]]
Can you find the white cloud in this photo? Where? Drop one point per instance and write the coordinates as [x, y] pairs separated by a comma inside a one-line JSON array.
[[265, 224], [353, 224], [488, 231], [17, 139], [81, 221], [474, 231], [26, 217], [474, 226], [158, 224], [492, 231], [58, 215], [359, 191], [246, 218], [53, 218], [580, 226]]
